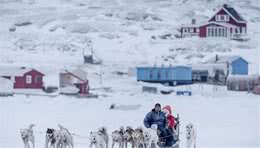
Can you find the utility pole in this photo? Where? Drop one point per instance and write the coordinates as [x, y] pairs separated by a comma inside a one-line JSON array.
[[100, 75]]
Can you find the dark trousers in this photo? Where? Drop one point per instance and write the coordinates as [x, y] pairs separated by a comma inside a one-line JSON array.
[[167, 136], [163, 132]]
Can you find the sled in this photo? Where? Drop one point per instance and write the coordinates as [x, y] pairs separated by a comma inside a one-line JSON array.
[[177, 142]]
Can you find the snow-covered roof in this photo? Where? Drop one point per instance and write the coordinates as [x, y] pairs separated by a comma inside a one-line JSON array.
[[228, 25], [233, 12], [224, 59], [13, 71], [77, 73], [211, 68], [163, 66], [208, 23], [243, 77]]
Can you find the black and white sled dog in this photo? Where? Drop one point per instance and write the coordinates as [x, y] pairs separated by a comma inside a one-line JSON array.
[[50, 138], [191, 135], [128, 136], [150, 136], [118, 137], [100, 138], [28, 136], [61, 138]]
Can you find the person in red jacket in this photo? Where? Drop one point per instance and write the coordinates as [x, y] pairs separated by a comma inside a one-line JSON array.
[[170, 119], [171, 125]]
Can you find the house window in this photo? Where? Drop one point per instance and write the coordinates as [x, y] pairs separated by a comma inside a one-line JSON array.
[[185, 29], [28, 79], [226, 18], [219, 32], [244, 30], [209, 31], [222, 18], [38, 79], [236, 30], [216, 31]]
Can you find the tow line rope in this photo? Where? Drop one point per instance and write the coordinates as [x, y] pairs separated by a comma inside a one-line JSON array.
[[73, 134]]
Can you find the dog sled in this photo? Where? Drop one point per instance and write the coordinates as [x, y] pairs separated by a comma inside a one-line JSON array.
[[175, 135]]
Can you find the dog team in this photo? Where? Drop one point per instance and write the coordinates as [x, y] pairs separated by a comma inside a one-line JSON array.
[[61, 138], [160, 129]]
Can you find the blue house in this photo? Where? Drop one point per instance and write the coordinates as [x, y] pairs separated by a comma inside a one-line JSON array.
[[236, 65], [176, 75]]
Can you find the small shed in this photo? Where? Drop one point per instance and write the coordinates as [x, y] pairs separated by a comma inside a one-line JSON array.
[[242, 83], [172, 75], [77, 78], [236, 65], [209, 73], [6, 87]]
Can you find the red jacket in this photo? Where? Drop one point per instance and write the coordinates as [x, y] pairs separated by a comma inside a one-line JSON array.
[[171, 120]]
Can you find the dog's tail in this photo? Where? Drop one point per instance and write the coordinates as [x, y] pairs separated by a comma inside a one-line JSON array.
[[31, 126], [103, 130], [61, 127]]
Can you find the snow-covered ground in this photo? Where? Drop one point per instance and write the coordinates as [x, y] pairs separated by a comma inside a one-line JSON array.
[[121, 32], [223, 119]]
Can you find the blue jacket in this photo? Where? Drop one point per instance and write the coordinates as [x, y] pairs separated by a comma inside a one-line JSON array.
[[154, 117]]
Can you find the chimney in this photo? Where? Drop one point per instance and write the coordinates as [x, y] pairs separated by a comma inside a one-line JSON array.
[[225, 5], [193, 21], [217, 58]]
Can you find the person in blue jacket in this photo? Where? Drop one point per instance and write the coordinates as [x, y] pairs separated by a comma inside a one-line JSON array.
[[156, 116]]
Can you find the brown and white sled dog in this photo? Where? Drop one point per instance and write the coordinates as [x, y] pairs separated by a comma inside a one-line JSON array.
[[61, 138], [128, 136], [28, 136], [64, 138], [100, 138], [191, 135], [118, 137], [138, 137], [150, 136]]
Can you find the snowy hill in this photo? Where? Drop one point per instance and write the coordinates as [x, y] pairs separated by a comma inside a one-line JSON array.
[[60, 28], [52, 35]]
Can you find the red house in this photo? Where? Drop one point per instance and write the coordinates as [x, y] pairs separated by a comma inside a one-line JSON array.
[[23, 78], [227, 22]]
